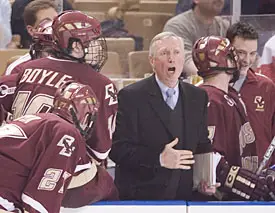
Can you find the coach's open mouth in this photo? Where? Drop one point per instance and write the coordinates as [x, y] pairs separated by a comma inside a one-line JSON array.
[[172, 69]]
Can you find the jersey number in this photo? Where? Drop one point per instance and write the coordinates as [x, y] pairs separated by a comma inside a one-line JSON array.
[[24, 105], [50, 179]]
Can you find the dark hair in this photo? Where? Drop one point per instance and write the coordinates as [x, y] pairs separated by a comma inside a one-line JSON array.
[[193, 5], [34, 7], [243, 30]]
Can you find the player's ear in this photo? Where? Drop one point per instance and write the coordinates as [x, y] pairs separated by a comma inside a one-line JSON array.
[[31, 30], [75, 48]]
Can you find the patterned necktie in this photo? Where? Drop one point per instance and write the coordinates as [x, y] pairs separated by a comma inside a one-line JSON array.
[[169, 100]]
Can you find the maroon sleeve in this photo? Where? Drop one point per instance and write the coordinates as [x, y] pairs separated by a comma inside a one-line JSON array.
[[101, 187], [51, 175], [268, 70], [216, 127], [7, 90], [100, 143]]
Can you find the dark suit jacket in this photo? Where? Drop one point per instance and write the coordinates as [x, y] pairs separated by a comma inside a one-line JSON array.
[[143, 130]]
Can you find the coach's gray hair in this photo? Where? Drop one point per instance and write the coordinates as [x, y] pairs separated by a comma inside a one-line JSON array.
[[160, 36]]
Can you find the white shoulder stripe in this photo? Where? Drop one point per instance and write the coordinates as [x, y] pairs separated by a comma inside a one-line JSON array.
[[9, 206], [84, 177], [262, 75], [58, 59], [12, 131], [101, 156], [33, 203], [83, 167], [14, 64]]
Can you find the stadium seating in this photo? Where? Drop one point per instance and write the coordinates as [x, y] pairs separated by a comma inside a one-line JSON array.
[[122, 46], [123, 82], [94, 5], [158, 6], [6, 55], [112, 67], [145, 24], [100, 16], [139, 64], [145, 6]]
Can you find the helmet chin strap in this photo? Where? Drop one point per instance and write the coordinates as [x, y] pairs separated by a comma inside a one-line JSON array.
[[229, 70], [236, 75], [95, 67], [85, 134], [77, 124]]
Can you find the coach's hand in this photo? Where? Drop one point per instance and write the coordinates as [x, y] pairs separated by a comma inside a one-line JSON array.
[[171, 158], [208, 190]]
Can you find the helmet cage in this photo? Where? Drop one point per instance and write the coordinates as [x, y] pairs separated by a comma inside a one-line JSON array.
[[95, 53]]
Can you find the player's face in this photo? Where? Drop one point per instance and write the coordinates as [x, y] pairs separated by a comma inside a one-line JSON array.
[[213, 7], [94, 52], [46, 13], [230, 63], [77, 50], [168, 60], [247, 52], [41, 15]]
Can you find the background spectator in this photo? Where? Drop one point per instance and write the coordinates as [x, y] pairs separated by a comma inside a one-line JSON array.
[[195, 23], [248, 7], [22, 21], [184, 5], [5, 27], [257, 91]]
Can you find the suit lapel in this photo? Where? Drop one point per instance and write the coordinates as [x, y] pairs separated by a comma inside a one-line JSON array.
[[188, 116], [156, 101]]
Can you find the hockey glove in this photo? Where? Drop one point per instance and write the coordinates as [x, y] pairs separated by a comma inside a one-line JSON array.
[[242, 183]]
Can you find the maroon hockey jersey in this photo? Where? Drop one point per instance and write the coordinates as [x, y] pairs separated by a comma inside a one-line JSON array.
[[39, 154], [36, 85], [7, 89], [229, 129], [258, 94]]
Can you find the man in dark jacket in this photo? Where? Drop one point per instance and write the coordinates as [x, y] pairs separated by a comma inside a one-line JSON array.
[[157, 132]]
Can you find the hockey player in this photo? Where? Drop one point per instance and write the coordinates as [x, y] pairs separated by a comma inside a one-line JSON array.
[[229, 130], [42, 153], [256, 90], [79, 49]]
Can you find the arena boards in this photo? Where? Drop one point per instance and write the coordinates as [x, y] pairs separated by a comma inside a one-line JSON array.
[[175, 207]]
